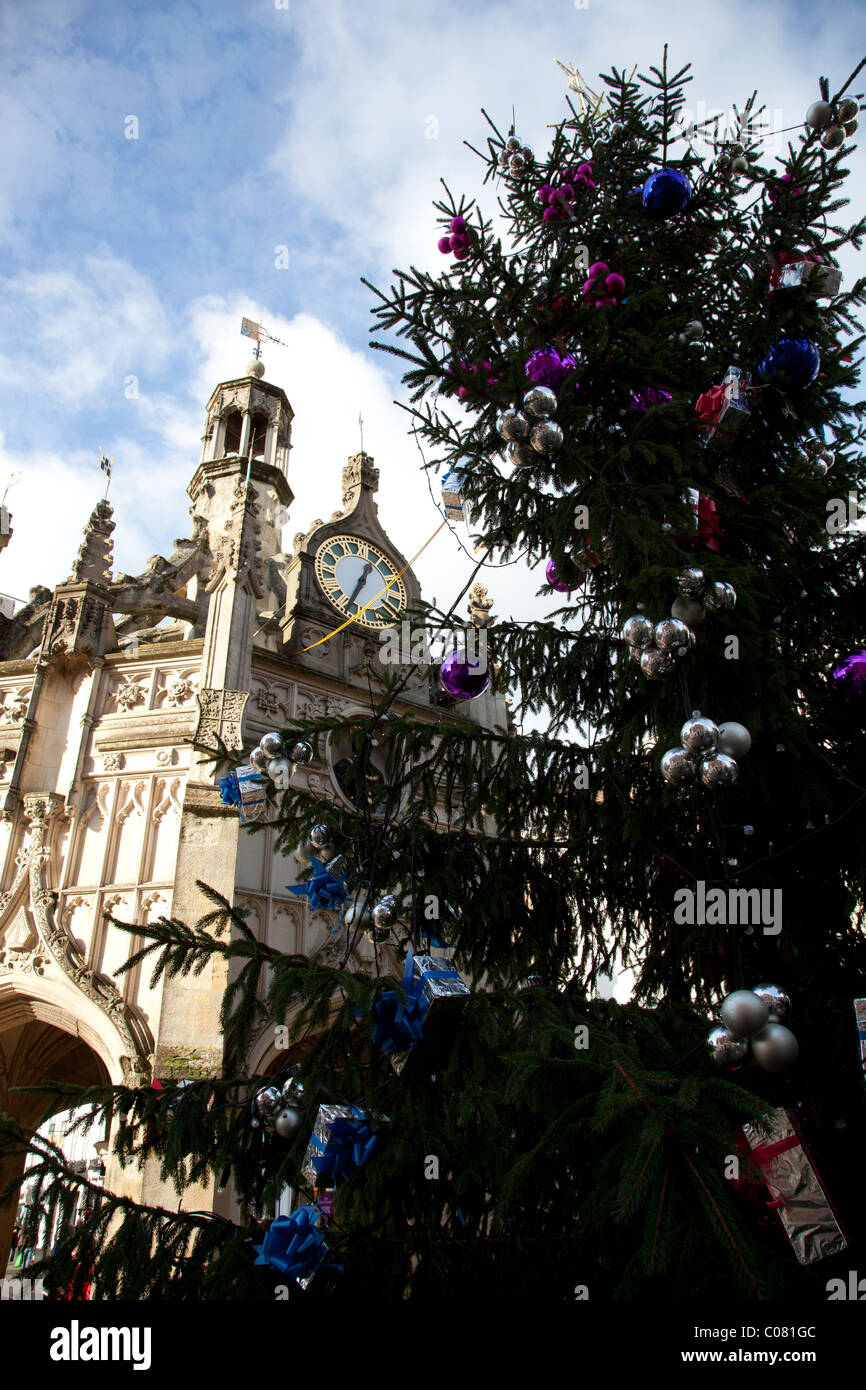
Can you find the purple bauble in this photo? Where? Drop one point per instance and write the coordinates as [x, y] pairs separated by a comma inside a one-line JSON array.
[[572, 577], [461, 678], [849, 679], [546, 368], [649, 396]]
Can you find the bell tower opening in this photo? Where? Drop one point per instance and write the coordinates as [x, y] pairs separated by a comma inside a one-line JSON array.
[[233, 424]]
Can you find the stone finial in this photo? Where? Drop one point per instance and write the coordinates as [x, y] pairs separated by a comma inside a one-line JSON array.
[[95, 553], [359, 473], [479, 605]]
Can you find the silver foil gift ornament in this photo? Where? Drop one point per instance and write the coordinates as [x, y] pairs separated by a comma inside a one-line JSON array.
[[796, 1192]]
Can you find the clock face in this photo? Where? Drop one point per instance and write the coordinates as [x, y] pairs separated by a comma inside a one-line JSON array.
[[352, 572]]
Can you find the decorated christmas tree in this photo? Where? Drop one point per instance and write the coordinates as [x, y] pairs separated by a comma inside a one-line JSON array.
[[636, 369]]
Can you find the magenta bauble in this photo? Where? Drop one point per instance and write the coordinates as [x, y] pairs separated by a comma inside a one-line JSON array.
[[462, 677]]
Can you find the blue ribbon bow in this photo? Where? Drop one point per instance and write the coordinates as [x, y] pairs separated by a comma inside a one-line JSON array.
[[293, 1244], [323, 890], [400, 1026], [230, 792], [349, 1143]]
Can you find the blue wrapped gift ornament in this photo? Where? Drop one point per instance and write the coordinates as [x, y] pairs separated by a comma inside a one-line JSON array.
[[399, 1027], [293, 1245], [323, 889], [252, 803], [451, 496], [343, 1138]]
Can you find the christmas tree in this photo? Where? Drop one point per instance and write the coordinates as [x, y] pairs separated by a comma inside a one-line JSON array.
[[642, 374]]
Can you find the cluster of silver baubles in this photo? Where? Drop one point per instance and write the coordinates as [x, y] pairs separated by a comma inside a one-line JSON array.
[[699, 595], [274, 760], [834, 122], [375, 918], [532, 430], [656, 646], [708, 752], [815, 457], [278, 1110], [753, 1029], [515, 158]]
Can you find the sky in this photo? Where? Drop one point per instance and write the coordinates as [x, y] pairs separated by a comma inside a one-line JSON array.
[[170, 167]]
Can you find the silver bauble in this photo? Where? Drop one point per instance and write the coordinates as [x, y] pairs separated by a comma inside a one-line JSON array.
[[259, 760], [512, 144], [655, 664], [689, 611], [719, 770], [725, 1050], [304, 852], [504, 157], [734, 739], [736, 149], [818, 468], [691, 581], [273, 745], [775, 1048], [719, 597], [694, 331], [269, 1103], [851, 127], [744, 1013], [288, 1122], [833, 137], [776, 1000], [358, 911], [699, 735], [740, 165], [819, 115], [847, 110], [672, 635], [517, 163], [320, 836], [540, 403], [522, 456], [615, 129], [547, 437], [723, 163], [385, 913], [678, 767], [637, 630], [301, 752], [527, 154], [513, 426], [279, 771]]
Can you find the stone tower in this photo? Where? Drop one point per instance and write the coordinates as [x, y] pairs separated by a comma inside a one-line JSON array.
[[105, 682]]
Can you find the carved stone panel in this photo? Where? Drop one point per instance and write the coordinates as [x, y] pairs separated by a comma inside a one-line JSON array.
[[221, 713]]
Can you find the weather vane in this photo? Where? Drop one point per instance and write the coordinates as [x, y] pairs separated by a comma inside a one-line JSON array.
[[107, 466], [251, 329]]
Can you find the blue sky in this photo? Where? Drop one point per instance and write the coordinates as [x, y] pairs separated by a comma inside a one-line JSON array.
[[260, 126]]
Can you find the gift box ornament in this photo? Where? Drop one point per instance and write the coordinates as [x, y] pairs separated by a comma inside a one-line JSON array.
[[295, 1247], [430, 982], [724, 409], [343, 1138], [807, 273], [797, 1195], [252, 804], [452, 499]]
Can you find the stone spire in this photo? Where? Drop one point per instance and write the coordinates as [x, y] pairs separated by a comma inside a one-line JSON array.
[[358, 474], [95, 553]]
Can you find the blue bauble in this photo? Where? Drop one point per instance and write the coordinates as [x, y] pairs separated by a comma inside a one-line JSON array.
[[791, 364], [666, 192]]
